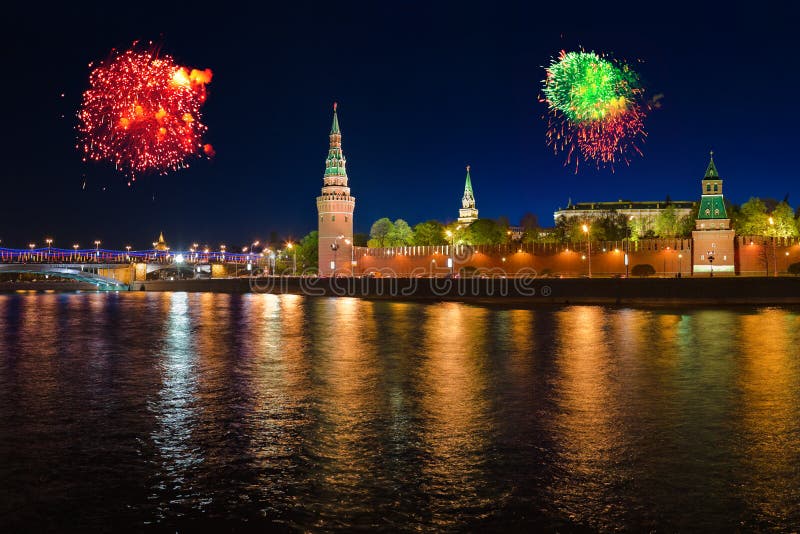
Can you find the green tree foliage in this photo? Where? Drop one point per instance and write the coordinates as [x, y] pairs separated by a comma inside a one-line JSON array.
[[458, 233], [784, 222], [400, 234], [610, 226], [643, 269], [666, 224], [379, 233], [308, 252], [429, 233], [636, 228], [485, 232], [751, 218], [568, 230], [685, 226]]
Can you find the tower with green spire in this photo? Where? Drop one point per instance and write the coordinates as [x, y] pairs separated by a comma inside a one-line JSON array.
[[335, 207], [712, 238], [468, 211]]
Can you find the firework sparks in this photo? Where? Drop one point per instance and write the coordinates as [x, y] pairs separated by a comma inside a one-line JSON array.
[[595, 109], [142, 113]]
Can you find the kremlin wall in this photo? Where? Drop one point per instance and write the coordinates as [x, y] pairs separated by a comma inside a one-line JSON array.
[[713, 249], [751, 257]]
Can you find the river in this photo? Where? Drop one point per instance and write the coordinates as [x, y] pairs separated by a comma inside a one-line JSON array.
[[190, 411]]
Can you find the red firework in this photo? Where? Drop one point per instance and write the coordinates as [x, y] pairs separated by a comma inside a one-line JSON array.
[[142, 113]]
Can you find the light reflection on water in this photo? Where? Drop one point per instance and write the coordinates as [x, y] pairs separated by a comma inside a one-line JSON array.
[[190, 410]]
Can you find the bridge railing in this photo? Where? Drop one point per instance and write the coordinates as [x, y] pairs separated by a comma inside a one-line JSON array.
[[106, 256]]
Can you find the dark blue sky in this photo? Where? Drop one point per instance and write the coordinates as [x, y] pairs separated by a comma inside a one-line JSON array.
[[423, 91]]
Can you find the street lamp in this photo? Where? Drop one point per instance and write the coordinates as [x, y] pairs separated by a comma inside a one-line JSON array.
[[450, 259], [49, 242], [774, 256], [680, 257], [290, 246], [589, 245], [710, 255]]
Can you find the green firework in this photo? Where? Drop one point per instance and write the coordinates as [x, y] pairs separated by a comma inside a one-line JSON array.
[[586, 87]]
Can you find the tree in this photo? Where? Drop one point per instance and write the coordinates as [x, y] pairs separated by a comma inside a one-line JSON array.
[[667, 222], [530, 228], [568, 230], [485, 232], [685, 226], [400, 234], [308, 252], [635, 228], [379, 233], [429, 233], [784, 224], [752, 218], [610, 226]]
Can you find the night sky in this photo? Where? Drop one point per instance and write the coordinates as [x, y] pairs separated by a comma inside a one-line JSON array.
[[422, 92]]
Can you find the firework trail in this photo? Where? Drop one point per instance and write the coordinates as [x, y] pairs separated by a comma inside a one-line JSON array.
[[142, 113], [595, 109]]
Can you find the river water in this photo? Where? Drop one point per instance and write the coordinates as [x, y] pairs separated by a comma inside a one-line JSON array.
[[170, 411]]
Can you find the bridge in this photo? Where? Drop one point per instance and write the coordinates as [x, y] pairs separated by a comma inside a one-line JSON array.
[[115, 270]]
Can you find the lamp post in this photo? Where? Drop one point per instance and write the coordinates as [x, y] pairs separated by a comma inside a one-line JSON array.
[[589, 246], [31, 246], [774, 256], [680, 270], [450, 261], [710, 255], [75, 248], [97, 250], [49, 242], [290, 246]]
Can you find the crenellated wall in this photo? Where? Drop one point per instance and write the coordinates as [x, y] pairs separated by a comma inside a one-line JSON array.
[[667, 256]]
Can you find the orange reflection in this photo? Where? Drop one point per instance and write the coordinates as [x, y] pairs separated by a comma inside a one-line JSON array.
[[454, 404], [771, 432]]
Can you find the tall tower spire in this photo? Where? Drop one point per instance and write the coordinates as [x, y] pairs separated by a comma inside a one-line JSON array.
[[468, 212], [335, 208]]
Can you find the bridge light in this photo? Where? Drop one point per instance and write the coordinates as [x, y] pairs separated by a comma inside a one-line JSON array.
[[179, 258]]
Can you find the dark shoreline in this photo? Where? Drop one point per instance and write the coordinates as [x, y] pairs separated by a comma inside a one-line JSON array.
[[744, 291]]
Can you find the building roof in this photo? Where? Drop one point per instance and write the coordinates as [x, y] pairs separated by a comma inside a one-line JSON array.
[[335, 125], [335, 163], [711, 171], [468, 186], [712, 207], [629, 205]]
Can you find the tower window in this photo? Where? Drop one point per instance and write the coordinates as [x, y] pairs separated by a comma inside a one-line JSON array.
[[716, 188], [708, 188], [333, 218], [346, 218], [321, 218]]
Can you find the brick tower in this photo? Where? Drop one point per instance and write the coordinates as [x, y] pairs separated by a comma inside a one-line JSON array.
[[335, 209], [712, 247]]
